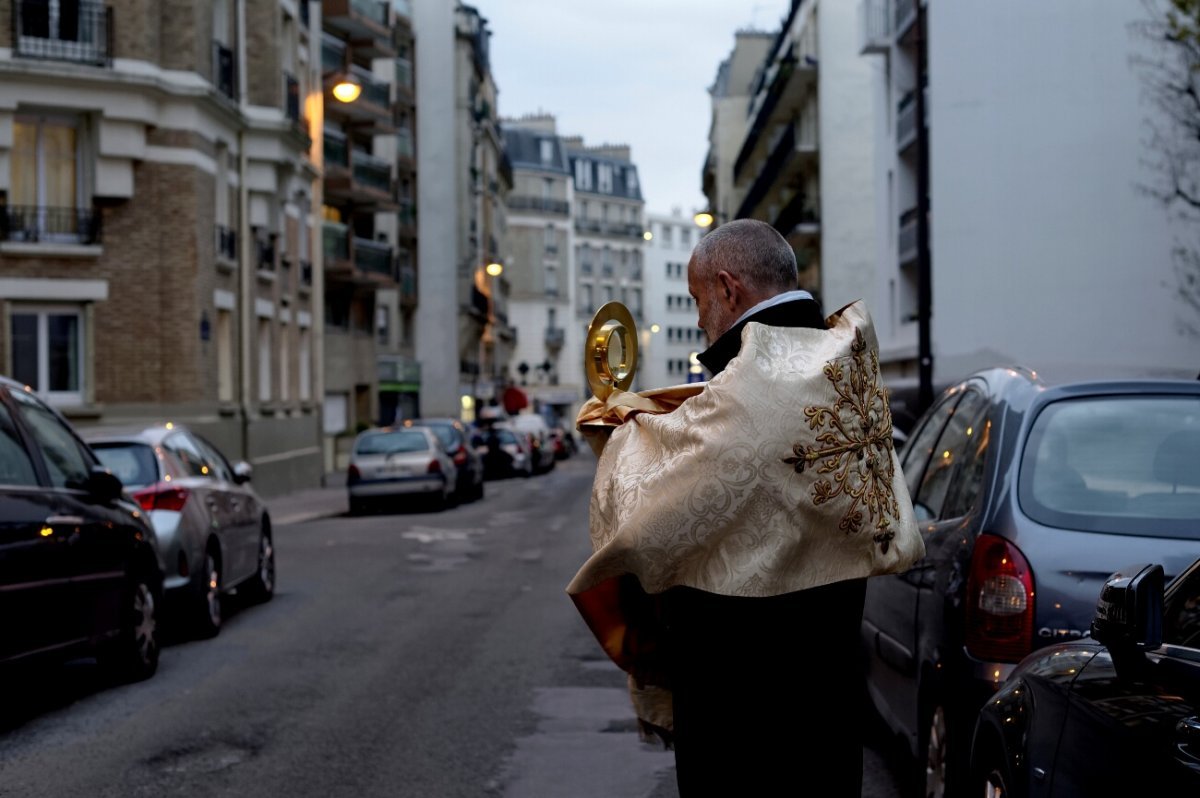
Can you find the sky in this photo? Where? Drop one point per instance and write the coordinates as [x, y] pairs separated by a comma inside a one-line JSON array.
[[633, 72]]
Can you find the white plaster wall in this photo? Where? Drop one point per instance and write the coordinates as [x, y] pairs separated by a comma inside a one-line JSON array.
[[847, 150], [436, 325], [652, 371], [1045, 252]]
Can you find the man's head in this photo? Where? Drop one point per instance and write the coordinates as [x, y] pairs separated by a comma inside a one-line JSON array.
[[735, 267]]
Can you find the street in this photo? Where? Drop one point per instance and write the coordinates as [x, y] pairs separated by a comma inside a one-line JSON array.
[[406, 654]]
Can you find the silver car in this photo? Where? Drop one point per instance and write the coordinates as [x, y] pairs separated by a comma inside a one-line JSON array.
[[404, 461], [213, 531]]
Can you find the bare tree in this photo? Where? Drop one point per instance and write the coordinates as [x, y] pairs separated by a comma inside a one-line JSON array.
[[1170, 72]]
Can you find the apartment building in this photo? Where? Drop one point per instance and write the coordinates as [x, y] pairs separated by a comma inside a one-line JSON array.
[[670, 338], [610, 230], [367, 216], [1011, 154], [157, 201], [804, 163], [464, 338], [541, 271]]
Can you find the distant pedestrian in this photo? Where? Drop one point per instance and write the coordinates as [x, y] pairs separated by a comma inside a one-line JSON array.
[[733, 535]]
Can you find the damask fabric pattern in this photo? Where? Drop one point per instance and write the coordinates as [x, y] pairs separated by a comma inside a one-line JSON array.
[[779, 475]]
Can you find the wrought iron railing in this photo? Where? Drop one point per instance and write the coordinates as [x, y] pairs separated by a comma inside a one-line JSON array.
[[370, 171], [81, 32], [526, 203], [372, 256], [41, 224]]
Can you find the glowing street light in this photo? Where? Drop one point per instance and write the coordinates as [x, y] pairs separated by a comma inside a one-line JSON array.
[[703, 219], [648, 235], [346, 89], [654, 328], [494, 269]]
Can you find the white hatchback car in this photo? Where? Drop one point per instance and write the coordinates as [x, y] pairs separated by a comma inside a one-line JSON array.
[[391, 462]]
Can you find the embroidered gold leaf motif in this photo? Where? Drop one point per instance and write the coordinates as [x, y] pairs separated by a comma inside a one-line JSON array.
[[854, 444]]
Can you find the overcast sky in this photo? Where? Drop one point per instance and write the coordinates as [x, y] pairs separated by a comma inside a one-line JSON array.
[[624, 71]]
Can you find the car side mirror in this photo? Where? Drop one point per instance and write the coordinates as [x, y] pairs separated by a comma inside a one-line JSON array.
[[103, 485], [242, 472], [1129, 614]]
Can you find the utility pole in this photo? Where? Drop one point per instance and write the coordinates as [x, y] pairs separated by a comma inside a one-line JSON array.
[[924, 279]]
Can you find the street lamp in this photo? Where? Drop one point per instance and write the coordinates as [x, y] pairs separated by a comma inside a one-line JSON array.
[[704, 219], [648, 236], [346, 89], [494, 269]]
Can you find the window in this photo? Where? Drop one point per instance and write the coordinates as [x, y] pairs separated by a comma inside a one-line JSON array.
[[189, 454], [666, 235], [552, 281], [225, 355], [547, 146], [1181, 616], [952, 453], [217, 464], [588, 303], [608, 293], [383, 324], [685, 237], [264, 360], [305, 366], [583, 175], [70, 30], [551, 239], [47, 198], [64, 456], [920, 447], [637, 302], [547, 188], [604, 177], [631, 181], [284, 364], [47, 351], [15, 466]]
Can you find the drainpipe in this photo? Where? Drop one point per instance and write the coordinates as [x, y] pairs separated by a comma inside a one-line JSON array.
[[245, 252]]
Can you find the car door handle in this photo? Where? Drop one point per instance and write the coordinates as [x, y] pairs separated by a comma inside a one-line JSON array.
[[65, 520]]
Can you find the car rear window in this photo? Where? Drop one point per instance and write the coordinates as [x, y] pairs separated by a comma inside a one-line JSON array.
[[132, 463], [392, 442], [445, 433], [1119, 464]]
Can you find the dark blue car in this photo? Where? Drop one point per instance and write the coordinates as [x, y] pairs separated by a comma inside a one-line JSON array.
[[1028, 496], [1118, 714]]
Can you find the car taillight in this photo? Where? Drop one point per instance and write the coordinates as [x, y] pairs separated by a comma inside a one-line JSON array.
[[434, 467], [161, 496], [999, 609], [460, 456], [353, 474]]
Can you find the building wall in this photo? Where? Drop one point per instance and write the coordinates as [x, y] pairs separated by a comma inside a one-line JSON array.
[[667, 256], [847, 172], [1045, 252]]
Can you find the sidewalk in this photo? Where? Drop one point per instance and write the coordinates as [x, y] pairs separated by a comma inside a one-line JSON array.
[[310, 504]]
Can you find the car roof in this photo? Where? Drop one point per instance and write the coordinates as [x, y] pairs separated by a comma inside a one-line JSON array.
[[140, 433]]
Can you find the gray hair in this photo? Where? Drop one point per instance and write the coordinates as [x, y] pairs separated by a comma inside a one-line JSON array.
[[751, 250]]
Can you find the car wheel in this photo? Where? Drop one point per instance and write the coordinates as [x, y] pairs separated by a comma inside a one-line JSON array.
[[133, 655], [206, 603], [940, 773], [262, 584]]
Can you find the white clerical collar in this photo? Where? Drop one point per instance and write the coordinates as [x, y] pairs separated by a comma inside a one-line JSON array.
[[778, 299]]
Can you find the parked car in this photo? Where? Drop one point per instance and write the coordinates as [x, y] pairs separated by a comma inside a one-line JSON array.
[[541, 442], [394, 462], [1118, 714], [213, 530], [79, 568], [1027, 496], [504, 451], [457, 443]]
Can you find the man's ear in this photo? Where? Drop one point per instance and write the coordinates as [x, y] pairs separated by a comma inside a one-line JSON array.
[[729, 289]]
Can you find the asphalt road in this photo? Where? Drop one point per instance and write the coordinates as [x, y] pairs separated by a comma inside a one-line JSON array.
[[407, 654]]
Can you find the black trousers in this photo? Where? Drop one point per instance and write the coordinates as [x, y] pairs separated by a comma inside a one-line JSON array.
[[768, 691]]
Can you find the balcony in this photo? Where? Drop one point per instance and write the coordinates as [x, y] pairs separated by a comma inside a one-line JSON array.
[[906, 239], [405, 149], [618, 229], [333, 53], [38, 224], [404, 76], [906, 15], [81, 33], [367, 23], [555, 207], [356, 177], [874, 27], [373, 257], [265, 253], [306, 273], [374, 173], [796, 146], [906, 119], [406, 216], [408, 286], [555, 337], [794, 76], [799, 218], [226, 241], [224, 71]]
